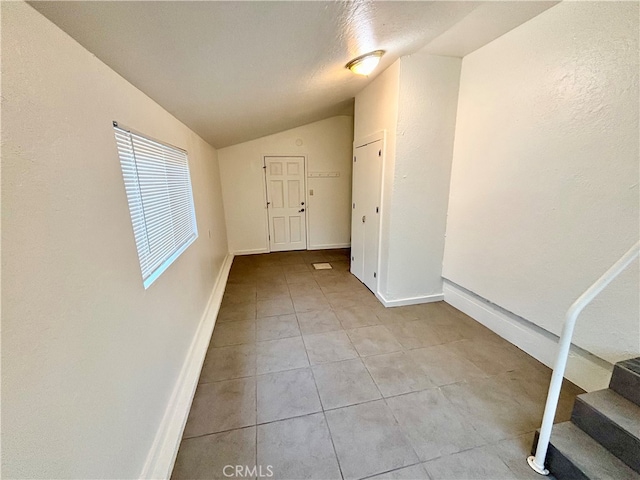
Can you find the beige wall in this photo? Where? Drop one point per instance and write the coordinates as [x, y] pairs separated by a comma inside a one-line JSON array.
[[89, 358], [414, 101], [327, 145], [544, 189], [427, 104], [376, 110]]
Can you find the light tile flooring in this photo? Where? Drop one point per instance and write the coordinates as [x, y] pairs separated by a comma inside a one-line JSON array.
[[309, 376]]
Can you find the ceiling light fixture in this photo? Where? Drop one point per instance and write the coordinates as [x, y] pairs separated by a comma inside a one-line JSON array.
[[364, 64]]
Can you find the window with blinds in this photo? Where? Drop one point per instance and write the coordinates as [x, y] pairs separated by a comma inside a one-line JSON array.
[[158, 187]]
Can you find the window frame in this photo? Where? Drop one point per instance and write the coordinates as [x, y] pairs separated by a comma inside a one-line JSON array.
[[129, 164]]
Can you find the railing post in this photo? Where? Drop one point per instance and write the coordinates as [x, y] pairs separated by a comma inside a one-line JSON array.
[[537, 462]]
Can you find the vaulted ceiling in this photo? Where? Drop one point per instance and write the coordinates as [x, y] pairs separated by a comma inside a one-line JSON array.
[[234, 71]]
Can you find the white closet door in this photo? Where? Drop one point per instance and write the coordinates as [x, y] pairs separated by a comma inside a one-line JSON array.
[[365, 221]]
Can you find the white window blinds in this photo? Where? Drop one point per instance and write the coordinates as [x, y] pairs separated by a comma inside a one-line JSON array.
[[158, 187]]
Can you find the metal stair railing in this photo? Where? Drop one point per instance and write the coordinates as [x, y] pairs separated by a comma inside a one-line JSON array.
[[537, 462]]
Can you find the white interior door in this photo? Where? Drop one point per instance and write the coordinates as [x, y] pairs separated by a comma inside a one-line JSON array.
[[365, 221], [357, 226], [285, 179]]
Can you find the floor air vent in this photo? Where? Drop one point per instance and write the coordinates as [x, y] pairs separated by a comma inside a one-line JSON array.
[[322, 266]]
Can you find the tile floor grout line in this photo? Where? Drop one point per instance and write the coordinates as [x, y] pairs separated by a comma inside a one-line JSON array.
[[392, 470], [256, 398], [245, 427], [337, 361], [363, 357], [333, 409], [227, 379], [256, 436], [313, 376], [302, 415], [402, 430], [335, 451], [324, 414], [509, 379], [371, 376]]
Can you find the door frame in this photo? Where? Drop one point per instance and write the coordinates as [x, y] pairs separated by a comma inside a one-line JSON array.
[[266, 198], [380, 135]]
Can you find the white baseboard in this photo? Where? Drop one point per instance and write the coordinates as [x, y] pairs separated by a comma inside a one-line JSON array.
[[329, 246], [584, 369], [250, 252], [410, 301], [163, 452]]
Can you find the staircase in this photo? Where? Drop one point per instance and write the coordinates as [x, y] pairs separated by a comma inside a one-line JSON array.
[[602, 440]]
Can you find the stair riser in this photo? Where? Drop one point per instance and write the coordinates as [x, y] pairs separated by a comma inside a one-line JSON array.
[[615, 439], [560, 466], [626, 383]]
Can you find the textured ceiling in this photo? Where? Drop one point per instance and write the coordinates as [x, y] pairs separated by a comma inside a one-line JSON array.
[[234, 71]]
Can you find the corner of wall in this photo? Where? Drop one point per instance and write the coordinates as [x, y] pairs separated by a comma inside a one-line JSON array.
[[164, 450], [426, 117], [584, 369]]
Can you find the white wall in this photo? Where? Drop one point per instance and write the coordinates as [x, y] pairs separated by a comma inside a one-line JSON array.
[[544, 188], [414, 101], [427, 106], [89, 358], [327, 144], [376, 110]]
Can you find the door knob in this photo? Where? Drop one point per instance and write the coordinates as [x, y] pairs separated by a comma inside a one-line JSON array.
[[301, 210], [364, 218]]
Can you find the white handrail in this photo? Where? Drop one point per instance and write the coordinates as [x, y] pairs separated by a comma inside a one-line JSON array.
[[537, 462]]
